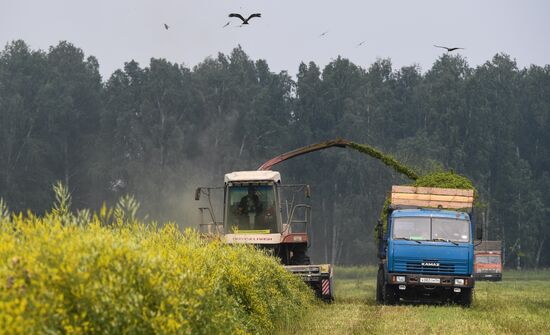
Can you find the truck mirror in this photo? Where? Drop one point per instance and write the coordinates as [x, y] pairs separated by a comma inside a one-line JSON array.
[[479, 233], [380, 229], [307, 191], [198, 193]]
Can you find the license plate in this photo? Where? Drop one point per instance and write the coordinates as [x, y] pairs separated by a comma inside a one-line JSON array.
[[430, 280]]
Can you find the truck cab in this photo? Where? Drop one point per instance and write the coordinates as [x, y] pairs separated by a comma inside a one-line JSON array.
[[426, 254], [252, 205], [488, 260], [254, 214]]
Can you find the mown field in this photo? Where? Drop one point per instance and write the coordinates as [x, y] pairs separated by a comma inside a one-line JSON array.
[[520, 304]]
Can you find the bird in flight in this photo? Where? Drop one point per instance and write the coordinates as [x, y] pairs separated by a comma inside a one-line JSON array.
[[166, 26], [245, 21], [360, 44], [448, 49], [225, 25], [323, 34]]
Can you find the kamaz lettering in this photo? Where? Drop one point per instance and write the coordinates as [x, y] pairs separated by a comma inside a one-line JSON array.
[[430, 264]]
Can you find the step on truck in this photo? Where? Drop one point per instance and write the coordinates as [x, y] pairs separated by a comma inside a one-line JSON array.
[[488, 260], [259, 210], [426, 247]]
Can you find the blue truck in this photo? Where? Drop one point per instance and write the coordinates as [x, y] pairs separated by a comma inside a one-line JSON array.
[[426, 247]]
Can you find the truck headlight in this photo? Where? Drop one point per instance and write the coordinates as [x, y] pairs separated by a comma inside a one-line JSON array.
[[459, 281], [400, 279]]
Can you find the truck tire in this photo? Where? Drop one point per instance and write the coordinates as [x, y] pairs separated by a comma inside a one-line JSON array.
[[465, 297], [379, 284], [389, 295]]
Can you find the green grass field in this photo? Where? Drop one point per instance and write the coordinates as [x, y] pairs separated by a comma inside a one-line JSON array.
[[520, 304]]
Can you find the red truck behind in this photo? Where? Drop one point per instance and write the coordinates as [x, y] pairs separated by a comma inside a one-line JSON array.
[[488, 260]]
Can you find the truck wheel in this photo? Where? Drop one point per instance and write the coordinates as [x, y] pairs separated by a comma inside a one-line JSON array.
[[465, 297], [389, 295], [379, 284]]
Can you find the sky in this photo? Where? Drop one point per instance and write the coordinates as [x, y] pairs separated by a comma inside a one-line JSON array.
[[117, 31]]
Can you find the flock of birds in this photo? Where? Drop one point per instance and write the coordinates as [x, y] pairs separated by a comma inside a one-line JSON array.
[[258, 15]]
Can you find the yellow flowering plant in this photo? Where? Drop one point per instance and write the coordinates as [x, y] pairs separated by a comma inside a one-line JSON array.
[[108, 273]]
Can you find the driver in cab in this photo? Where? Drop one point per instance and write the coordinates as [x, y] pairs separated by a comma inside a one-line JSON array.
[[252, 207], [250, 203]]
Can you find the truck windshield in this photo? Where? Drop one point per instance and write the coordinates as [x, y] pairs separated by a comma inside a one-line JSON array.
[[251, 209], [487, 259], [450, 230], [412, 228], [431, 229]]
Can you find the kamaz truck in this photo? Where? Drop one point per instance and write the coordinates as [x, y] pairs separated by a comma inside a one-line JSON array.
[[426, 247]]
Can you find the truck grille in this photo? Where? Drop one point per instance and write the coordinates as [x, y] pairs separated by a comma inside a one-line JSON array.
[[445, 266], [419, 268]]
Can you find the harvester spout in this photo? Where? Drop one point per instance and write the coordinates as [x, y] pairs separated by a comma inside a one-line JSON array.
[[341, 143]]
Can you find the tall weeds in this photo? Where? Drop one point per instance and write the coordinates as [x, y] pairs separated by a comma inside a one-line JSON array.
[[74, 273]]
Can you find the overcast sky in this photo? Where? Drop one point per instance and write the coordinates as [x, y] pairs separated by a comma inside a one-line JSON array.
[[116, 31]]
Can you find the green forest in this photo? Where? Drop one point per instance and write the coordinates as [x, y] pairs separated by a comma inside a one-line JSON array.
[[159, 130]]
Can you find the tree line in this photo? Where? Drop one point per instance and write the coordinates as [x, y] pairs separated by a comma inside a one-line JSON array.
[[160, 130]]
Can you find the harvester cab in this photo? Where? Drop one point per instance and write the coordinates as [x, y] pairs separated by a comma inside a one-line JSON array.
[[259, 210]]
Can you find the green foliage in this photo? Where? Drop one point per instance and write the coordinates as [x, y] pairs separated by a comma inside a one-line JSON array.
[[159, 130], [63, 200], [445, 180], [126, 209], [386, 159], [105, 215], [383, 217], [82, 217], [4, 210], [76, 279]]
